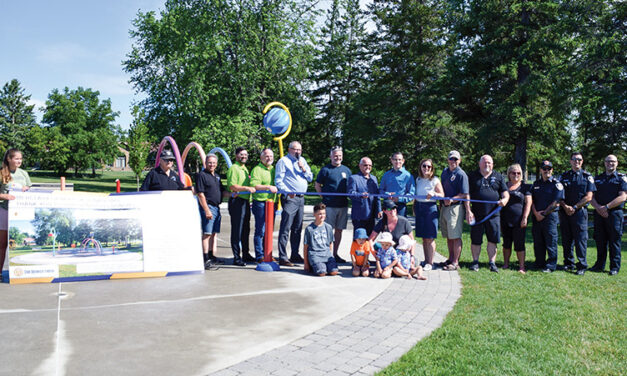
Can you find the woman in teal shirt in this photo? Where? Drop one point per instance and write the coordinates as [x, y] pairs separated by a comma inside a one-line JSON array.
[[13, 177]]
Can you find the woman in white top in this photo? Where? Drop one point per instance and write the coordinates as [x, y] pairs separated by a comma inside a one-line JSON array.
[[426, 210], [13, 177]]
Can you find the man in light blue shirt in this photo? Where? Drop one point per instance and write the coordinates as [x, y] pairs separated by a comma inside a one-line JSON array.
[[292, 174], [398, 181]]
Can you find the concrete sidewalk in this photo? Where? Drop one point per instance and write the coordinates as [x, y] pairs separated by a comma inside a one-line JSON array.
[[229, 321]]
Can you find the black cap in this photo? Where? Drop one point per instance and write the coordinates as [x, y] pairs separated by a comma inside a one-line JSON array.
[[547, 164], [389, 204], [167, 155]]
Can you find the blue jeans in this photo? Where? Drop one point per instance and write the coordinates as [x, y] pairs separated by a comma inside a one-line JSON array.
[[259, 212]]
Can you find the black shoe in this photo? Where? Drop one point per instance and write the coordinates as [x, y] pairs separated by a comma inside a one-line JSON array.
[[580, 272], [569, 267], [297, 259], [547, 270], [613, 271], [239, 263], [209, 265], [339, 260], [248, 258], [493, 268], [285, 263], [474, 267], [216, 261], [596, 269]]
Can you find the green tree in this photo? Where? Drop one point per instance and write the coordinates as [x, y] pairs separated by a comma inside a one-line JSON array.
[[509, 77], [338, 72], [16, 115], [138, 143], [86, 125], [61, 220], [399, 108], [16, 235], [209, 67]]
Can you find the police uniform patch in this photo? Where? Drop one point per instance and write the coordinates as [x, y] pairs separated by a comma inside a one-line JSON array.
[[590, 179], [452, 177], [559, 186], [625, 178]]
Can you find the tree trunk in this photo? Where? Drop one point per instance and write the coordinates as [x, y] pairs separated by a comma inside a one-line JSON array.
[[520, 154]]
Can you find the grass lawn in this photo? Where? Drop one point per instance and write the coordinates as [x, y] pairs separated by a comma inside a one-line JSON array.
[[103, 182], [533, 324]]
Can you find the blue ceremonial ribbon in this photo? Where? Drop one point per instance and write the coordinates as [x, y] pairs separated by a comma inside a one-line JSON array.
[[416, 197]]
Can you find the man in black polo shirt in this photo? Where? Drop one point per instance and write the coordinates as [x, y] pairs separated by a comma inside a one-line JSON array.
[[210, 191], [486, 184], [162, 177]]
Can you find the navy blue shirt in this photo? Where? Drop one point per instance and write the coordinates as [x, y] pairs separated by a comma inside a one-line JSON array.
[[363, 208], [157, 180], [454, 182], [543, 193], [608, 187], [210, 186], [576, 185], [488, 189], [335, 180]]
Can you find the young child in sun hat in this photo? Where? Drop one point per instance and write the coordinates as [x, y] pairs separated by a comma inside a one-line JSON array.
[[386, 256], [406, 266], [361, 249]]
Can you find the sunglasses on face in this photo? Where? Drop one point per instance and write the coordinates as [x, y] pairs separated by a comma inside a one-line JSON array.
[[577, 159], [428, 167], [547, 168], [515, 173], [453, 159]]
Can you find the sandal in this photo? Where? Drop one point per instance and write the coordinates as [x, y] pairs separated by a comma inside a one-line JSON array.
[[451, 267]]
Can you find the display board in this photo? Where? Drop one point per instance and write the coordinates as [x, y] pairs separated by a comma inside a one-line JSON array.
[[71, 236]]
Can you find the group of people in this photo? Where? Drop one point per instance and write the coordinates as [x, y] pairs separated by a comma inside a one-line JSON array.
[[492, 205]]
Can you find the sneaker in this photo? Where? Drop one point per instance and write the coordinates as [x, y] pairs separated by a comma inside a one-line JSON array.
[[547, 270], [493, 268], [569, 267], [474, 267], [427, 267]]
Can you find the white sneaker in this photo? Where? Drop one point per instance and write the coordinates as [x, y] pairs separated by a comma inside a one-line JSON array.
[[427, 267]]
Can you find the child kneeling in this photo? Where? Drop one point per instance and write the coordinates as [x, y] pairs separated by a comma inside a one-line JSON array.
[[406, 266], [318, 245], [360, 251]]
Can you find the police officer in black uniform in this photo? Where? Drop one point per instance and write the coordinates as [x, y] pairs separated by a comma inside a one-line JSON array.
[[546, 194], [608, 217], [162, 177], [578, 187]]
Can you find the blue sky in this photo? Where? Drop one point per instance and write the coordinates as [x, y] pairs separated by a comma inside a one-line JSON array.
[[54, 44], [51, 44]]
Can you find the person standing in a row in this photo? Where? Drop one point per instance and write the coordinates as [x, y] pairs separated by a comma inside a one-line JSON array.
[[360, 187], [163, 177], [238, 182], [608, 203]]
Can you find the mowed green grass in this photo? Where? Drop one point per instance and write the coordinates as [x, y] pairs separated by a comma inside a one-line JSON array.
[[103, 182], [533, 324]]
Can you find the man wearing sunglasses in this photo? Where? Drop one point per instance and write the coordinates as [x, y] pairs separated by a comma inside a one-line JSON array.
[[455, 185], [608, 203], [163, 177], [546, 194], [578, 187]]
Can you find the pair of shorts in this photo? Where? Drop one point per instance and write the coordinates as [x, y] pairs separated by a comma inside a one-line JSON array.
[[210, 226], [337, 217], [491, 228], [426, 219], [452, 221], [516, 235], [4, 220], [324, 267]]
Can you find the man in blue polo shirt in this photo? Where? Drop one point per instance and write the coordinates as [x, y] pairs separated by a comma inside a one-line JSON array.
[[455, 183], [365, 207], [398, 180], [333, 178]]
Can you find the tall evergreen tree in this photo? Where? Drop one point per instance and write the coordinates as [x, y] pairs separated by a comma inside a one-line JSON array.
[[16, 115], [337, 74]]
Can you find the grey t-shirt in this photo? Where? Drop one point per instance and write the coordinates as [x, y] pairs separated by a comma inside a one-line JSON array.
[[318, 239], [19, 179]]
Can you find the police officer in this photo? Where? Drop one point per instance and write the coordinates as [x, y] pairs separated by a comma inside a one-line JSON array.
[[578, 187], [546, 194], [162, 177], [608, 217]]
